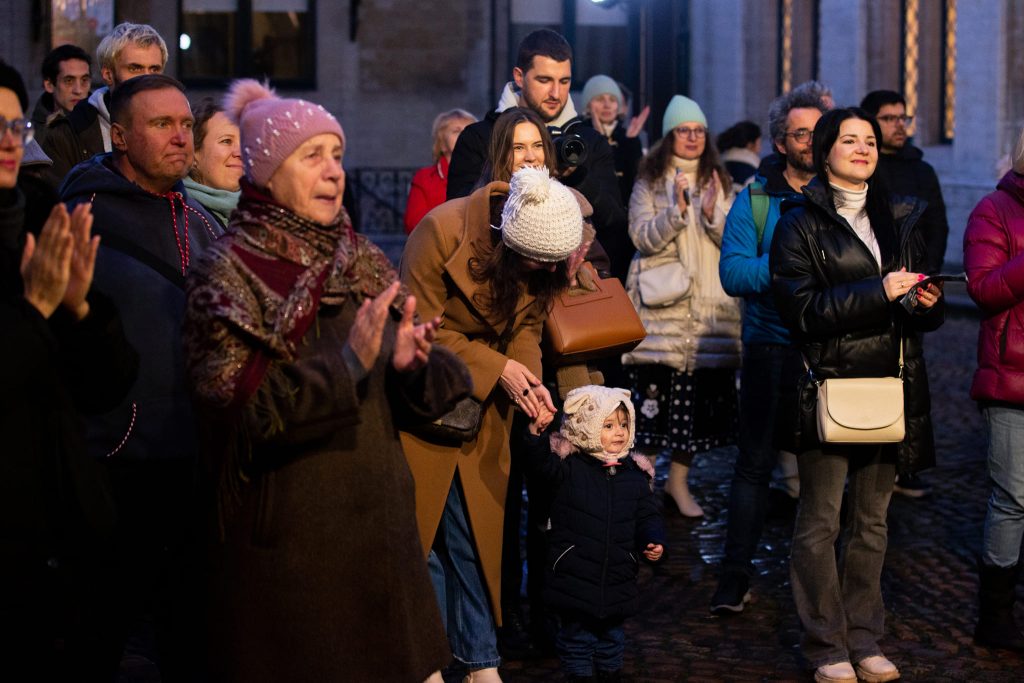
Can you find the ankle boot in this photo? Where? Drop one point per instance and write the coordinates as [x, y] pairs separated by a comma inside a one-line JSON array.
[[996, 597]]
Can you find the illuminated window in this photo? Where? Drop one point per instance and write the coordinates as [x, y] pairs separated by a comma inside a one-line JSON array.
[[798, 42], [929, 69], [224, 39]]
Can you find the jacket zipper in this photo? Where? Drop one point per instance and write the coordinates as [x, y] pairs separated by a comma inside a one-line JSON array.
[[607, 540], [561, 556]]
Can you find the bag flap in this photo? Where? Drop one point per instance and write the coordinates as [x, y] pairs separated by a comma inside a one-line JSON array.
[[864, 402], [580, 297]]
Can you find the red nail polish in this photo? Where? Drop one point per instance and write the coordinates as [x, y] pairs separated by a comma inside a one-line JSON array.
[[921, 276]]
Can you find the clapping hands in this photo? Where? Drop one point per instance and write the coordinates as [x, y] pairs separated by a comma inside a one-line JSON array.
[[58, 268]]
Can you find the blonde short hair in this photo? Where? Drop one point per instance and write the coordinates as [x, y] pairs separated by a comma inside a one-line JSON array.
[[125, 34], [1018, 155], [441, 123]]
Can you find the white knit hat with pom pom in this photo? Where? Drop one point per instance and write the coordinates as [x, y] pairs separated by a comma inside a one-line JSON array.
[[541, 219], [272, 127]]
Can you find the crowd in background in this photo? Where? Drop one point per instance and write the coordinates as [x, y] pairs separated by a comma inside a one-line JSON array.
[[234, 421]]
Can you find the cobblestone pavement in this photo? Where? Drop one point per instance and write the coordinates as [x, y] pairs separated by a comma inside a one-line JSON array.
[[929, 582]]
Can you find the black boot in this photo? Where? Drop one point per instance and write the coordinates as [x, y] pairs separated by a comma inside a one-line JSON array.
[[514, 642], [996, 597]]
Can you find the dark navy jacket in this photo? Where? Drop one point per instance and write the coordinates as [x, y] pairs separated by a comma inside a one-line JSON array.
[[143, 250], [600, 524]]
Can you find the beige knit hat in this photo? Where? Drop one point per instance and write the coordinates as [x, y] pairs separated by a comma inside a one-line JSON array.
[[585, 410], [541, 219]]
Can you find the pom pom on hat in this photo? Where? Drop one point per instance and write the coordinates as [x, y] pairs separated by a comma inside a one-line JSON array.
[[272, 127], [585, 410], [680, 110], [599, 85], [541, 219]]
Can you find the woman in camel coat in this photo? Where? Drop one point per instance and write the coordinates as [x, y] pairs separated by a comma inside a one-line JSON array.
[[491, 288]]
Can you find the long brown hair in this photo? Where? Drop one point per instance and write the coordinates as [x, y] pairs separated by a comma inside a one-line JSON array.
[[506, 275], [657, 162], [499, 165]]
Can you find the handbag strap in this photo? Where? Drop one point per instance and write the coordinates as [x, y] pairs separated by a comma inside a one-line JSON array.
[[807, 366]]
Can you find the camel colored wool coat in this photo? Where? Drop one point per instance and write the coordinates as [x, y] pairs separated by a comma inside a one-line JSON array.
[[435, 268]]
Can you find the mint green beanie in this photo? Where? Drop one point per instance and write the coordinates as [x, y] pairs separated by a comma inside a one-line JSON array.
[[680, 110], [599, 85]]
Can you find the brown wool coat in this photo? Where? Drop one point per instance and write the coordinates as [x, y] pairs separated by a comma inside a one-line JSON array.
[[435, 268]]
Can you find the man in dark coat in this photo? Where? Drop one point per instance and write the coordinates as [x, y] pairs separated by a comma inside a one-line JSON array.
[[129, 50], [902, 167], [63, 355], [541, 81], [905, 173], [152, 232], [67, 79]]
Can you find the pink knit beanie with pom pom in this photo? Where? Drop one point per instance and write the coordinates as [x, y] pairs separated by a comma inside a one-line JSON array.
[[273, 127]]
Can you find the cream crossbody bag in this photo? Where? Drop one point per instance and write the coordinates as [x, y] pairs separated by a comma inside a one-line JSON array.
[[862, 409]]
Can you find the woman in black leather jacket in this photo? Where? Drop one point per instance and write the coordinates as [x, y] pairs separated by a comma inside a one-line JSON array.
[[840, 261]]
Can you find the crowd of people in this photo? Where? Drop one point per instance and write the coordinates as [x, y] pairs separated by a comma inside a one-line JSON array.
[[234, 421]]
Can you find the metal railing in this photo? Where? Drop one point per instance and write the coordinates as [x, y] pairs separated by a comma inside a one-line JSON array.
[[380, 195]]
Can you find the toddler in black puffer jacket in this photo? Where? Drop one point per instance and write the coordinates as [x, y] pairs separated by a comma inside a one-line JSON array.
[[603, 518]]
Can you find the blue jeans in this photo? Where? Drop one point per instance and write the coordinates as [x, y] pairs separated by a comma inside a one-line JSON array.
[[586, 643], [768, 409], [458, 581], [839, 600], [1004, 522]]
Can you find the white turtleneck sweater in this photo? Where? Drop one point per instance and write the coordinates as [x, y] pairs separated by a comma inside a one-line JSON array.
[[850, 205]]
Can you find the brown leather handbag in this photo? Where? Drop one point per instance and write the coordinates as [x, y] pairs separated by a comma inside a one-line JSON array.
[[593, 320]]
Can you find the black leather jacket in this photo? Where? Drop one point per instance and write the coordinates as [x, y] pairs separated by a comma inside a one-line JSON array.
[[829, 293]]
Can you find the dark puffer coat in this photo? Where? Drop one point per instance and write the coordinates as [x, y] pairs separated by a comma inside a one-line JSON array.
[[829, 293], [602, 519]]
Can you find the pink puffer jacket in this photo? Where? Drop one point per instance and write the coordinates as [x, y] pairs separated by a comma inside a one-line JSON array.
[[994, 260]]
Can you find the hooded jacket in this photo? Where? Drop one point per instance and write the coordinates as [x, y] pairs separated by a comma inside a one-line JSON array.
[[994, 261], [595, 179], [905, 173], [828, 291], [744, 264], [148, 243]]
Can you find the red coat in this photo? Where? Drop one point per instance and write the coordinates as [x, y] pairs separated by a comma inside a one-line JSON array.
[[429, 187], [994, 261]]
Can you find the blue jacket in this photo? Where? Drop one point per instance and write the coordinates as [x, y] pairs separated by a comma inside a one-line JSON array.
[[144, 248], [602, 519], [743, 267]]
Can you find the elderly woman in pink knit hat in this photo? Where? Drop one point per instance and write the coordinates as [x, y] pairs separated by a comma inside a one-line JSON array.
[[303, 352]]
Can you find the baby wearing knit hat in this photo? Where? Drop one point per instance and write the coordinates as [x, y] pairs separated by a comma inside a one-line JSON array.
[[541, 219], [603, 517]]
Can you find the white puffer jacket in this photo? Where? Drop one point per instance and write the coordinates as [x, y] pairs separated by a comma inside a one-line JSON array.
[[702, 330]]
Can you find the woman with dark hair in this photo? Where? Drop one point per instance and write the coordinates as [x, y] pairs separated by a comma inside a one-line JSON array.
[[216, 172], [840, 262], [740, 146], [684, 373], [489, 265]]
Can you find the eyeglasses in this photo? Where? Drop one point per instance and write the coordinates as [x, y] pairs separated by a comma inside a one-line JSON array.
[[21, 129], [801, 134], [695, 133], [893, 118]]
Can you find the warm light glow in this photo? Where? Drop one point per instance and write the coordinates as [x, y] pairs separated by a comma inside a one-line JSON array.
[[910, 58]]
